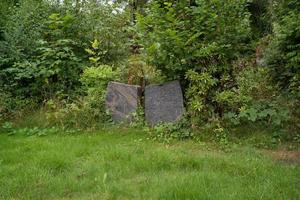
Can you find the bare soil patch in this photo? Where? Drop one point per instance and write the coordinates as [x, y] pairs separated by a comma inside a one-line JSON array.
[[286, 156]]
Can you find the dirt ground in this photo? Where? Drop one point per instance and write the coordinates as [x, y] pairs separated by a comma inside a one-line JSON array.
[[286, 156]]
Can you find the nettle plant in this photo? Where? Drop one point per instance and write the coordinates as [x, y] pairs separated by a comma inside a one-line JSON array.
[[258, 100]]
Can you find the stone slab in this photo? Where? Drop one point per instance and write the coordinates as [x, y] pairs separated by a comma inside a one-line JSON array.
[[163, 103], [122, 100]]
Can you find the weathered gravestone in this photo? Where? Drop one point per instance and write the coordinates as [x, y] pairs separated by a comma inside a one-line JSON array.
[[163, 103], [122, 100]]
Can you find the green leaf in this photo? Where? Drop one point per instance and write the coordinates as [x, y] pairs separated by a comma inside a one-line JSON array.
[[95, 44]]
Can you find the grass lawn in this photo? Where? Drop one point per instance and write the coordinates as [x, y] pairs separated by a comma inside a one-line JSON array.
[[125, 165]]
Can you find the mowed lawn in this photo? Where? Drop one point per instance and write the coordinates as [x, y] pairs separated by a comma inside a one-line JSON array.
[[127, 165]]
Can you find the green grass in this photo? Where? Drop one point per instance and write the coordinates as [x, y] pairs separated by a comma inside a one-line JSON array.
[[126, 165]]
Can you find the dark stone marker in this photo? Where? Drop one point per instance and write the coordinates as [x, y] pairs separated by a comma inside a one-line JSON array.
[[122, 100], [163, 103]]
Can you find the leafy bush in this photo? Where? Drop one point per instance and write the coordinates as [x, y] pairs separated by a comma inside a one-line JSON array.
[[42, 51], [53, 68], [13, 107], [283, 58], [138, 72], [96, 77], [89, 110], [95, 80], [179, 37], [260, 102], [198, 94], [109, 25], [43, 57], [165, 132], [197, 44]]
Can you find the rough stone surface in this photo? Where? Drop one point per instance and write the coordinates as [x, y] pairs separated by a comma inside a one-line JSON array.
[[163, 103], [122, 100]]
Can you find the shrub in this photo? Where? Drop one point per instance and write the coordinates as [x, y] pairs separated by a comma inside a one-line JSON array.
[[138, 72], [87, 111], [260, 102], [283, 58], [54, 68], [165, 132], [13, 107], [197, 42], [179, 37], [42, 52]]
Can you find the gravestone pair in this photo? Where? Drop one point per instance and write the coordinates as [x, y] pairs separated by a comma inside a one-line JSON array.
[[163, 103]]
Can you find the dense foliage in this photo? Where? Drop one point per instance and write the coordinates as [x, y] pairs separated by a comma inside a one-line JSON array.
[[43, 47], [283, 56], [238, 61], [179, 37]]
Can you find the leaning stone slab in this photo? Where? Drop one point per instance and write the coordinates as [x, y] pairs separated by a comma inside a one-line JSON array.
[[163, 103], [122, 100]]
